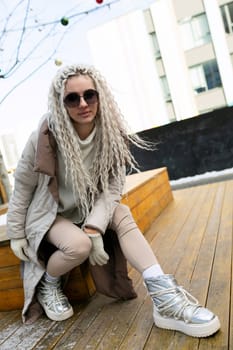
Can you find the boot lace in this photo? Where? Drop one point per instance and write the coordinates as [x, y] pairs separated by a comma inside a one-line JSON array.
[[54, 295], [176, 305]]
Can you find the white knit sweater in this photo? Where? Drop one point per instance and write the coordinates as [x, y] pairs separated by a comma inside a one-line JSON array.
[[67, 206]]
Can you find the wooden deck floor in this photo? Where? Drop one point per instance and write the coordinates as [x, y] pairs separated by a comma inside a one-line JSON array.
[[192, 238]]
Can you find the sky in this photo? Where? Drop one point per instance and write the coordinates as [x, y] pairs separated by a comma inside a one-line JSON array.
[[24, 106]]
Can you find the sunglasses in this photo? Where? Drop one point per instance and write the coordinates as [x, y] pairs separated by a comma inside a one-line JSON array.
[[73, 99]]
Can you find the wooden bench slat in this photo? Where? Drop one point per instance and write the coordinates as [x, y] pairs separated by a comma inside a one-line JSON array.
[[3, 208]]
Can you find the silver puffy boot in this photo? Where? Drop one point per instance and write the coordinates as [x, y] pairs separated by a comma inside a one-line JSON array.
[[176, 309], [53, 300]]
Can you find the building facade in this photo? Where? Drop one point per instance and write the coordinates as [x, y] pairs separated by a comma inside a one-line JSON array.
[[192, 46], [166, 60]]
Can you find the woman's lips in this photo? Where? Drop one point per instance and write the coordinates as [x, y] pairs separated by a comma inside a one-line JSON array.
[[84, 114]]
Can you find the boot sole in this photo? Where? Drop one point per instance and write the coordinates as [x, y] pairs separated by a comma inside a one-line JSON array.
[[194, 330]]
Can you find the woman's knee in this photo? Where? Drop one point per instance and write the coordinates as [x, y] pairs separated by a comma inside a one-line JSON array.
[[122, 219], [79, 249]]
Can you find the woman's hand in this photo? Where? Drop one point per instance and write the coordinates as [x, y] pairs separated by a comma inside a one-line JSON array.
[[19, 247], [98, 255]]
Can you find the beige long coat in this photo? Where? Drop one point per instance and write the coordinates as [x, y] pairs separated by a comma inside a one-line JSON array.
[[33, 209]]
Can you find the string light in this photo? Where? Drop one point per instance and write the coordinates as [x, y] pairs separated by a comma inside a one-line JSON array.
[[58, 62]]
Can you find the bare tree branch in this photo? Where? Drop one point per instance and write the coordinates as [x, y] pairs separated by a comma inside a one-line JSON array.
[[38, 67], [20, 41], [29, 54], [18, 61], [4, 31]]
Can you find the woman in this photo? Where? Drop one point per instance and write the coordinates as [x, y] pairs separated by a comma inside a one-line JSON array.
[[68, 186]]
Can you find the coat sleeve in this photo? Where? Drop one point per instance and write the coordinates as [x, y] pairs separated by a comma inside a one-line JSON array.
[[105, 205], [24, 186]]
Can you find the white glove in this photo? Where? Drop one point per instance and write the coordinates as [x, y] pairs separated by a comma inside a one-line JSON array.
[[98, 255], [19, 247]]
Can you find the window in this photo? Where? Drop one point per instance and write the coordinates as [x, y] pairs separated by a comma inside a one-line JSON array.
[[227, 16], [155, 44], [195, 31], [205, 76], [165, 88]]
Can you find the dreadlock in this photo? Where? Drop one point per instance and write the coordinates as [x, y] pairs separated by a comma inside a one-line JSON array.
[[112, 153]]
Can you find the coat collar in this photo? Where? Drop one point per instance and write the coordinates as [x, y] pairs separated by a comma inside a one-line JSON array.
[[45, 160]]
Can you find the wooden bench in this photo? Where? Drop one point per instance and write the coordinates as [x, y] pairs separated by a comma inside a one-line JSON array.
[[147, 194], [4, 200]]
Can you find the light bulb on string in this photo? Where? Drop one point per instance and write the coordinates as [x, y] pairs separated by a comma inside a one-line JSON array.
[[58, 62]]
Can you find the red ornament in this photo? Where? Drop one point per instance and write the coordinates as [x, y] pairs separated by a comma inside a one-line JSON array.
[[99, 1]]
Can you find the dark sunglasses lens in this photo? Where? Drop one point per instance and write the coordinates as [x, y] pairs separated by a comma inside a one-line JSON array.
[[90, 96], [72, 100]]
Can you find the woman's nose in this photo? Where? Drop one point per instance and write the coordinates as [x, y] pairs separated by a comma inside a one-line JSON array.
[[82, 101]]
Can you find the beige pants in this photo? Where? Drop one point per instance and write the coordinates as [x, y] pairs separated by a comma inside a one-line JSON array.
[[74, 245]]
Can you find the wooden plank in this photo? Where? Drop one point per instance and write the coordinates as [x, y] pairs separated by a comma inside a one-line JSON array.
[[3, 194], [89, 333], [220, 276], [80, 285], [139, 193], [188, 263], [57, 330], [18, 336], [168, 229], [7, 257], [7, 317], [135, 180], [203, 267], [180, 244], [155, 210], [145, 221], [3, 208], [177, 255], [149, 197], [84, 317], [12, 299], [200, 276], [140, 329], [154, 196], [170, 220], [10, 278], [190, 254], [3, 236], [126, 318], [7, 333]]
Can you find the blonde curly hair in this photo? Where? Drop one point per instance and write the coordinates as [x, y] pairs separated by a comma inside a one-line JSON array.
[[112, 153]]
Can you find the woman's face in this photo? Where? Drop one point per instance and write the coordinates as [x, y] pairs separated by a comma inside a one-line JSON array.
[[84, 113]]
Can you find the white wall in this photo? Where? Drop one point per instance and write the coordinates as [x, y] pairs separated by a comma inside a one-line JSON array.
[[122, 51], [168, 34]]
